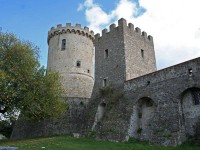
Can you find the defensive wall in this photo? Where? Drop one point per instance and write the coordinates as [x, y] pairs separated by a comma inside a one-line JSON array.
[[130, 98]]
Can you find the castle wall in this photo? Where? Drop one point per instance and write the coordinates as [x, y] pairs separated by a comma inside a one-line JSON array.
[[158, 106], [78, 48], [139, 52], [109, 57], [166, 88], [122, 53], [73, 121]]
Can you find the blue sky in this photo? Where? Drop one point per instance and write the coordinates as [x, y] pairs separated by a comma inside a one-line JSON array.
[[174, 24]]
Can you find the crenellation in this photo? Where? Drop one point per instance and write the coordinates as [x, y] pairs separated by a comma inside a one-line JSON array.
[[138, 30], [70, 29], [52, 28], [112, 27], [68, 25], [78, 26], [59, 26], [122, 23], [86, 29], [104, 31], [150, 37], [144, 34], [131, 26], [92, 32], [97, 36]]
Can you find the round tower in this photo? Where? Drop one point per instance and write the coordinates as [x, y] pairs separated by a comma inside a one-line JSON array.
[[71, 53]]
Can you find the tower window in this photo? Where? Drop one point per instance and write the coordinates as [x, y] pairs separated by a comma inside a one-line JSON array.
[[106, 53], [63, 46], [142, 53], [196, 97], [190, 71], [104, 82], [78, 64], [88, 71]]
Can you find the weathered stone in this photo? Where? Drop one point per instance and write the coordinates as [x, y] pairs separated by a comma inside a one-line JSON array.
[[162, 106]]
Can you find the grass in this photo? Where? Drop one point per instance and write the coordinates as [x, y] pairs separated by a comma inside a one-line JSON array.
[[70, 143]]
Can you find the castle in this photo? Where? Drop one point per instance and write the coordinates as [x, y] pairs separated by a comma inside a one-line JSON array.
[[124, 96]]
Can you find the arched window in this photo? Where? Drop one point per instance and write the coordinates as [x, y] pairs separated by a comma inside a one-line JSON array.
[[63, 46]]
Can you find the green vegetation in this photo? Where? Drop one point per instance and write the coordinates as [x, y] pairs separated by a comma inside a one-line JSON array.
[[112, 96], [70, 143], [25, 87]]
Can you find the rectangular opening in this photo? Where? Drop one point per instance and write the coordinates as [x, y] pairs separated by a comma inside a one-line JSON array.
[[104, 82], [106, 53], [78, 64], [196, 97], [63, 44], [142, 53]]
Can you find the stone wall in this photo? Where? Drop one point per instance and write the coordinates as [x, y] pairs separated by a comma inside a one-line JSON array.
[[73, 121], [73, 58], [162, 107], [166, 88], [139, 51], [122, 53], [109, 57]]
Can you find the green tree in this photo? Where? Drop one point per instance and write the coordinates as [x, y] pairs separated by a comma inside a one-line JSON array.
[[24, 85]]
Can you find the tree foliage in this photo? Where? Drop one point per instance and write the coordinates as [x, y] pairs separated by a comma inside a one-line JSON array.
[[24, 85]]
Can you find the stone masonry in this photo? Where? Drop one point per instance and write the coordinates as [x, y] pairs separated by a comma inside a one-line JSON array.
[[125, 96]]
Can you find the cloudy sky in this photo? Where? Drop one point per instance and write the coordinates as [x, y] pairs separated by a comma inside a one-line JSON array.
[[174, 24]]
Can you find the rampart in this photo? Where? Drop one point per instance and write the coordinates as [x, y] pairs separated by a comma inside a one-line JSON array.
[[70, 29]]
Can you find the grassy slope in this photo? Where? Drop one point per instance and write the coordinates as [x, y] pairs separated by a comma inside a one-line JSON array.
[[70, 143]]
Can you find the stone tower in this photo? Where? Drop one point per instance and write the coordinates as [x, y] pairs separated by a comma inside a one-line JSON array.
[[122, 54], [71, 53]]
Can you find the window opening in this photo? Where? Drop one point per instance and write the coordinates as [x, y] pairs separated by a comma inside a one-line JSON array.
[[78, 64], [142, 53], [63, 44], [88, 71], [106, 53], [104, 82], [190, 71], [196, 97]]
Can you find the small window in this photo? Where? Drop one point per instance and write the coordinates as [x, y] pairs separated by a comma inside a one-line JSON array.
[[78, 64], [142, 53], [196, 97], [63, 44], [106, 53], [88, 71], [190, 71], [104, 82]]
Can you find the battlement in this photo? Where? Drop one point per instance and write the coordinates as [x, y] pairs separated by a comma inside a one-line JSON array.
[[70, 29], [122, 25]]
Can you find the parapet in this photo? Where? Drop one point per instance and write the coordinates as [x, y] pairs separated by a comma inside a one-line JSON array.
[[70, 29], [122, 24]]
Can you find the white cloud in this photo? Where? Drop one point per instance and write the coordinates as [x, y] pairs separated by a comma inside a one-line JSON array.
[[174, 24], [125, 9]]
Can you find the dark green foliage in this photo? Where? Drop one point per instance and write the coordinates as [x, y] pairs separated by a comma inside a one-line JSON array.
[[6, 127], [106, 91], [111, 95], [24, 85]]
